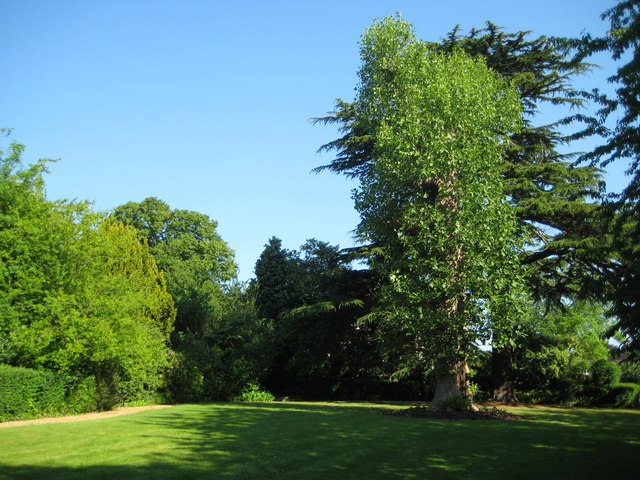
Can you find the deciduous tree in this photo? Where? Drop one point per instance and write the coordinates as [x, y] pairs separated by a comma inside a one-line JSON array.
[[432, 196], [78, 295], [196, 261], [555, 201]]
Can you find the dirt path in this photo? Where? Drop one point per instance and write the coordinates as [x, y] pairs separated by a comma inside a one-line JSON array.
[[82, 417]]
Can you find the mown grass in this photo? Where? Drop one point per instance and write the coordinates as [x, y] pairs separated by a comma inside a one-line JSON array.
[[327, 441]]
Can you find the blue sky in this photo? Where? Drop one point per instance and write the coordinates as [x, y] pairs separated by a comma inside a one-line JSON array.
[[206, 105]]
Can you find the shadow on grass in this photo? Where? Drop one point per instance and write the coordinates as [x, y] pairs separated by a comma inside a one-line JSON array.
[[339, 441]]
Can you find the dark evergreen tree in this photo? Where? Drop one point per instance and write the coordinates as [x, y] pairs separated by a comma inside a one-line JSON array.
[[278, 288], [324, 335], [622, 143], [314, 300]]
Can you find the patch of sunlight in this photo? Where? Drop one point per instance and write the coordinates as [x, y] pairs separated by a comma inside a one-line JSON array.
[[443, 464], [289, 407], [564, 423], [564, 448]]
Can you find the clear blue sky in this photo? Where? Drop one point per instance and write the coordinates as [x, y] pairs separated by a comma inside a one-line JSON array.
[[206, 104]]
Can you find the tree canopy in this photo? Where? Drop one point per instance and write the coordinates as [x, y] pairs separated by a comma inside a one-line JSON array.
[[79, 295], [432, 197], [196, 261], [555, 201], [621, 144]]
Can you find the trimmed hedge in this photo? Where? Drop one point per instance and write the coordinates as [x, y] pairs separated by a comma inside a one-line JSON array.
[[28, 393], [25, 393]]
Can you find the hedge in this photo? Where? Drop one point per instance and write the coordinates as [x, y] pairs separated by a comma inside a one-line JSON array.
[[28, 393]]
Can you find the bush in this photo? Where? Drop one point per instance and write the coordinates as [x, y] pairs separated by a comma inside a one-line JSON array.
[[604, 374], [376, 389], [213, 366], [630, 372], [82, 396], [252, 393], [456, 403], [624, 395], [28, 393]]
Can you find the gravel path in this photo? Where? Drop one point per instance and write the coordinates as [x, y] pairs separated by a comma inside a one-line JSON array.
[[82, 417]]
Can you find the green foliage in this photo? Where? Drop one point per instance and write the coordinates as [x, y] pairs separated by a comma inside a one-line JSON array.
[[630, 371], [621, 143], [184, 380], [604, 375], [554, 200], [621, 42], [205, 370], [457, 403], [28, 393], [557, 351], [215, 332], [82, 395], [195, 260], [624, 395], [439, 142], [252, 393], [79, 295], [316, 300], [279, 286], [232, 351]]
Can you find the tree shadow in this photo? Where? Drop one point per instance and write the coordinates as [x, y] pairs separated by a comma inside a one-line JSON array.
[[293, 440]]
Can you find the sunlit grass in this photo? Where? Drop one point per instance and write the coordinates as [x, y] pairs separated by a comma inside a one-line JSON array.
[[321, 440]]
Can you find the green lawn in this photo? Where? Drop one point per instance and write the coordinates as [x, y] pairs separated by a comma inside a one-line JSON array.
[[324, 441]]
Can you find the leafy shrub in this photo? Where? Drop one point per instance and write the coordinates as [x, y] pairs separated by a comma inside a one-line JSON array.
[[82, 395], [219, 363], [624, 395], [184, 379], [28, 393], [456, 402], [630, 372], [252, 393], [604, 375]]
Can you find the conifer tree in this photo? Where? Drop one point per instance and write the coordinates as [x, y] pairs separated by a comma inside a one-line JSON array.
[[278, 290], [621, 144]]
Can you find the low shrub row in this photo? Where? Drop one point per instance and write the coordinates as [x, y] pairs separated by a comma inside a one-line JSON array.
[[28, 393]]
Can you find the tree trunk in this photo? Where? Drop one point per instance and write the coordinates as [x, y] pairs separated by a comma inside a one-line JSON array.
[[502, 375], [452, 380]]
